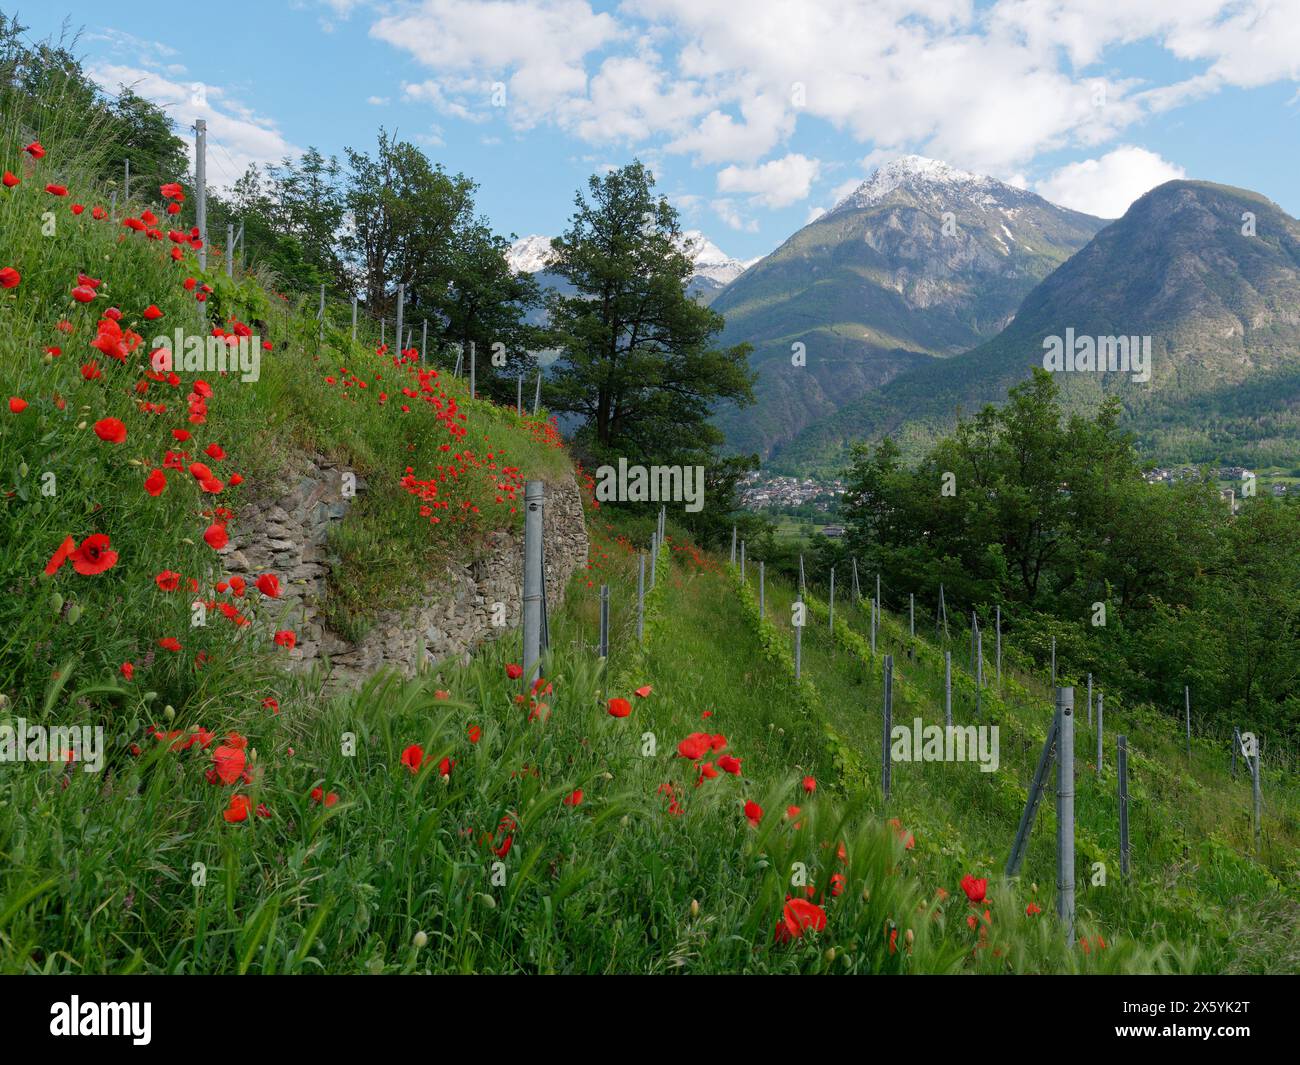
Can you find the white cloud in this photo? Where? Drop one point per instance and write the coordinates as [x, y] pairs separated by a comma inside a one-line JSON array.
[[778, 183], [537, 48], [378, 101], [237, 136], [726, 210], [1107, 186]]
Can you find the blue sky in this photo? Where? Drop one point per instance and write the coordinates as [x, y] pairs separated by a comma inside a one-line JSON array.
[[754, 115]]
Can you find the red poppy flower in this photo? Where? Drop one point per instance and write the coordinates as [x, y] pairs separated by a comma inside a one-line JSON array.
[[17, 405], [413, 757], [975, 889], [239, 807], [35, 150], [574, 798], [229, 761], [110, 430], [9, 277], [168, 580], [286, 638], [169, 643], [57, 190], [152, 313], [215, 451], [645, 691], [10, 180], [127, 670], [474, 733], [216, 536], [93, 556], [181, 434], [269, 585], [728, 764], [797, 916], [694, 747], [514, 671], [318, 795], [753, 812], [619, 707], [1032, 910], [83, 293], [60, 556]]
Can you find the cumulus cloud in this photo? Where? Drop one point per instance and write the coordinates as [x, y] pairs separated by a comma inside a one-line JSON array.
[[1107, 186], [778, 183]]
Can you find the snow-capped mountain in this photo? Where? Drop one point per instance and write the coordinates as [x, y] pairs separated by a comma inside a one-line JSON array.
[[714, 268], [925, 178], [711, 262], [528, 255]]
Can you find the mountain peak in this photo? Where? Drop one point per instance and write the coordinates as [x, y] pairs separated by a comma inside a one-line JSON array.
[[925, 177], [528, 255]]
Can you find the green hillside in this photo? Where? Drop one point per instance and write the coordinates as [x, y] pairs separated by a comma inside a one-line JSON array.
[[1218, 303]]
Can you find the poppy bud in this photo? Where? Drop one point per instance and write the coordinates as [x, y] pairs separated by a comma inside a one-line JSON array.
[[908, 937], [169, 711], [866, 894], [4, 701], [419, 940], [74, 613], [22, 469], [252, 755], [829, 956], [695, 907], [150, 696], [488, 901], [56, 603]]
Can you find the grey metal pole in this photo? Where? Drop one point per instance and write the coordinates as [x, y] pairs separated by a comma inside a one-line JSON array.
[[401, 312], [1254, 778], [473, 377], [1236, 743], [640, 597], [604, 621], [857, 592], [874, 608], [886, 760], [1065, 810], [911, 614], [519, 396], [947, 688], [878, 600], [974, 627], [460, 358], [831, 609], [999, 632], [126, 180], [354, 319], [320, 313], [733, 545], [383, 334], [1036, 789], [230, 248], [760, 590], [1122, 764], [537, 395], [201, 187], [534, 503], [742, 561], [1187, 704], [654, 557], [424, 340], [798, 646], [802, 586], [1090, 700], [1101, 726], [979, 670], [1053, 661]]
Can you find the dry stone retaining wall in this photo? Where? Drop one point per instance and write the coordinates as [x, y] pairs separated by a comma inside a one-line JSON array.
[[285, 533]]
